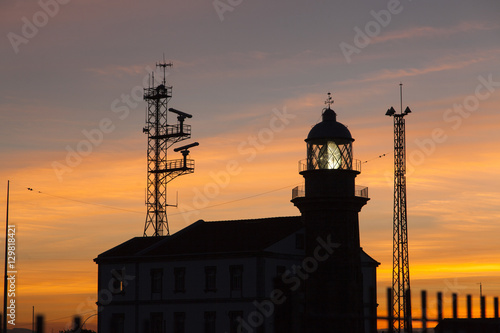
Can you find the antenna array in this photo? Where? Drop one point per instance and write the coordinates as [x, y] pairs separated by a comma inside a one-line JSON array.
[[162, 136]]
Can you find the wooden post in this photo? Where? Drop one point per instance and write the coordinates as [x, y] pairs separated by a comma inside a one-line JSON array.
[[495, 304], [483, 307], [440, 306], [423, 299], [390, 313], [39, 324], [408, 319], [469, 306], [455, 306]]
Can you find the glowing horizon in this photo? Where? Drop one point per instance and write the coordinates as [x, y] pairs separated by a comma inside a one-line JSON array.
[[71, 118]]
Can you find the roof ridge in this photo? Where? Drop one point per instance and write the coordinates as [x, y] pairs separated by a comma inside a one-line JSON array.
[[234, 236], [256, 219]]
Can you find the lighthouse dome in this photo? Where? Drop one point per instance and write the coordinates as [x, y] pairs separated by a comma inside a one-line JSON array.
[[329, 128]]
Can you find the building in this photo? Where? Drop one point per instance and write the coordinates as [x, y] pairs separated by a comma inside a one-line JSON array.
[[303, 273]]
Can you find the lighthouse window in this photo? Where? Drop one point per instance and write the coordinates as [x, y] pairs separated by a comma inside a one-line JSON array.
[[329, 156]]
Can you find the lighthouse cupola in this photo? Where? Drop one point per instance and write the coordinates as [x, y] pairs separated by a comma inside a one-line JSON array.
[[329, 157], [329, 144]]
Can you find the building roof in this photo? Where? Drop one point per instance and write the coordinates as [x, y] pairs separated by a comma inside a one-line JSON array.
[[367, 260], [236, 236], [131, 247]]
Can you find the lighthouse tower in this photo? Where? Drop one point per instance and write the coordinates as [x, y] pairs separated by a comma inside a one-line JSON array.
[[329, 206]]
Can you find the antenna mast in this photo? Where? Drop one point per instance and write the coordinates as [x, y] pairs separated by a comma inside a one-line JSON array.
[[401, 302], [162, 136]]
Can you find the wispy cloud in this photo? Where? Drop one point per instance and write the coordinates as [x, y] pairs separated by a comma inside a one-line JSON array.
[[119, 71], [435, 32], [445, 63]]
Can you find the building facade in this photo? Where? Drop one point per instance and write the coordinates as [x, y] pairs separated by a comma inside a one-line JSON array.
[[303, 273]]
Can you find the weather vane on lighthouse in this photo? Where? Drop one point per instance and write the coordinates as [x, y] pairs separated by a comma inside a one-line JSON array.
[[329, 100]]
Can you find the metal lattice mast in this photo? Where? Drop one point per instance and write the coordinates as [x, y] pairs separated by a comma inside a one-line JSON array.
[[161, 136], [401, 302]]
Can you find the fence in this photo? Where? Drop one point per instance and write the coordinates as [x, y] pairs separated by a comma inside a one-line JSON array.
[[425, 319]]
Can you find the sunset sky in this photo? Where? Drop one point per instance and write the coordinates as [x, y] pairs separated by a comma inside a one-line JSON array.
[[71, 119]]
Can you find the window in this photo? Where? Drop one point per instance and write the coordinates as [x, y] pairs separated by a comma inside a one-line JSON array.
[[234, 323], [179, 279], [117, 323], [179, 322], [329, 156], [210, 278], [156, 322], [156, 280], [299, 241], [236, 277], [210, 322]]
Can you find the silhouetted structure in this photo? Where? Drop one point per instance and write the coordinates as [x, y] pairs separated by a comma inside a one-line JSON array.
[[218, 274], [161, 136], [280, 274], [400, 263], [330, 207]]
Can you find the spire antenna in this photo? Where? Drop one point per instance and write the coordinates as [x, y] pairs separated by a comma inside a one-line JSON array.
[[401, 96], [329, 101]]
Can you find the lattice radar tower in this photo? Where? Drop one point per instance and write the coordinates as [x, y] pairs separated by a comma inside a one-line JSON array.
[[161, 136]]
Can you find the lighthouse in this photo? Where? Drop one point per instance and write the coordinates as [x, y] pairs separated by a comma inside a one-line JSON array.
[[329, 206]]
